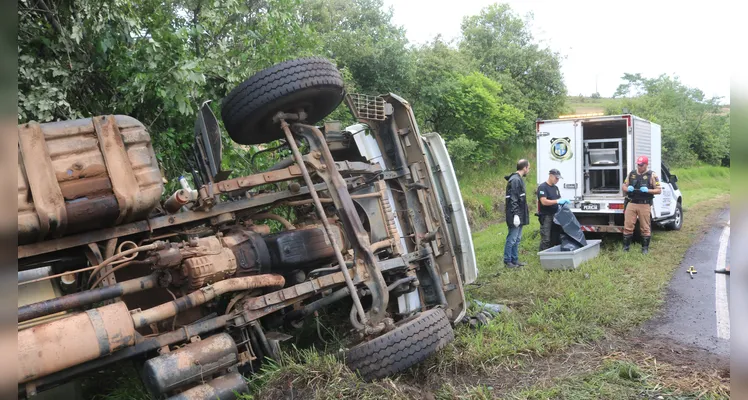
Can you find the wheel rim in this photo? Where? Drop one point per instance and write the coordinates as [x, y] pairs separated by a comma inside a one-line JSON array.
[[677, 217]]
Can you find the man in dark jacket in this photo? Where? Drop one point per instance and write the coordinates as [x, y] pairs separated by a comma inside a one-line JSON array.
[[517, 213]]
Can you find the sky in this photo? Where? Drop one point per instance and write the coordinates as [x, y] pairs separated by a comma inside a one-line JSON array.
[[601, 40]]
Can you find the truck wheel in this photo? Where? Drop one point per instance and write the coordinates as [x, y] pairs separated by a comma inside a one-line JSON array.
[[678, 222], [312, 84], [403, 347]]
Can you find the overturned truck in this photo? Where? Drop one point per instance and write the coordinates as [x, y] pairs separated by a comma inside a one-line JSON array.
[[204, 286]]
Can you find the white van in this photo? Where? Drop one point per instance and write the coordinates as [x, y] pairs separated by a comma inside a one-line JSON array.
[[594, 152]]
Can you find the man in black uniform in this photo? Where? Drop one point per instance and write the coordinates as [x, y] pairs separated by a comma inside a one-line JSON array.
[[549, 198]]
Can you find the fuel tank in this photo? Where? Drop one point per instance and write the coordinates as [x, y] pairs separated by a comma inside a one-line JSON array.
[[84, 174]]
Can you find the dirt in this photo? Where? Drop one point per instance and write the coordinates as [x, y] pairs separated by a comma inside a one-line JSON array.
[[689, 369]]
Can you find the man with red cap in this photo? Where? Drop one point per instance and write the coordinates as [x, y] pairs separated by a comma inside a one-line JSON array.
[[640, 185]]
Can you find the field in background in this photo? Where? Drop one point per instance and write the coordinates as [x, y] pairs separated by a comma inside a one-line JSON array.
[[588, 105]]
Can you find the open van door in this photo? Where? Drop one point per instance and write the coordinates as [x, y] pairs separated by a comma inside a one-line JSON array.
[[558, 147]]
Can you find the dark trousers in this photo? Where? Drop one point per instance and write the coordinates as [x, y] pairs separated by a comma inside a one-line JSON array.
[[550, 233]]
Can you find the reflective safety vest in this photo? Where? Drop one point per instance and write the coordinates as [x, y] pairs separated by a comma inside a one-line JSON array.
[[638, 180]]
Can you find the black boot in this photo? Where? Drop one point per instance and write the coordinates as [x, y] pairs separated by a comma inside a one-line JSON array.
[[645, 244], [627, 242]]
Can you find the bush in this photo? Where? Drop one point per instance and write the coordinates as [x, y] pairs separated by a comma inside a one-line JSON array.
[[462, 150]]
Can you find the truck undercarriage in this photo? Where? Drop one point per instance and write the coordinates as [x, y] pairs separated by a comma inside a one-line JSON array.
[[198, 285]]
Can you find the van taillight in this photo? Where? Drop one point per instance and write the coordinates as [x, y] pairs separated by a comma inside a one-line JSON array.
[[615, 206], [628, 119], [537, 126]]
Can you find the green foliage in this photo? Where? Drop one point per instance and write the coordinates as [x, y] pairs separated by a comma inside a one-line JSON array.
[[501, 43], [438, 68], [360, 36], [159, 61], [152, 60], [693, 129], [479, 112], [461, 149]]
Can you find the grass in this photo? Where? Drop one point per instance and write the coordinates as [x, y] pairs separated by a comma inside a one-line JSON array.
[[308, 374], [616, 380], [622, 378], [589, 105], [483, 186], [614, 292], [699, 184], [554, 310]]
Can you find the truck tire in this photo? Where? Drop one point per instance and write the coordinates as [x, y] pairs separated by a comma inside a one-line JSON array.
[[678, 222], [312, 84], [403, 347]]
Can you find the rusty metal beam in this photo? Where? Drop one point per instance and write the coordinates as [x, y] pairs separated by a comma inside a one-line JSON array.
[[247, 182], [260, 306], [153, 224], [199, 297], [75, 300], [354, 229], [323, 217]]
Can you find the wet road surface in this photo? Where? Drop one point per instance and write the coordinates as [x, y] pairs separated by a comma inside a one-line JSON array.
[[697, 310]]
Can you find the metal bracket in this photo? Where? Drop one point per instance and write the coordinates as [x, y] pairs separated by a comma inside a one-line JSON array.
[[353, 227]]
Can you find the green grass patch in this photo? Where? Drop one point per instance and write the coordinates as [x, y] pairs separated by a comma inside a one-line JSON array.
[[698, 184], [624, 379], [616, 380], [483, 186], [587, 105], [308, 374]]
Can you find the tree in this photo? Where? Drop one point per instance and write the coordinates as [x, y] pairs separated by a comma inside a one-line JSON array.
[[360, 36], [152, 60], [478, 112], [503, 46], [438, 68], [692, 127]]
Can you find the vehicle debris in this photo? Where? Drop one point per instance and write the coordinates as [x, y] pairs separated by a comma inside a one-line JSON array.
[[194, 284]]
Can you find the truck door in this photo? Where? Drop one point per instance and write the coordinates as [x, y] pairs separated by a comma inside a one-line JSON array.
[[668, 202], [557, 148]]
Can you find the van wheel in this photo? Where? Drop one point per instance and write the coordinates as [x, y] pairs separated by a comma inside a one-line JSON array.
[[678, 222], [313, 84], [403, 347]]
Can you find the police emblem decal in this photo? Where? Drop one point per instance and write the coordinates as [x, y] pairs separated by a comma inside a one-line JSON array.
[[561, 148]]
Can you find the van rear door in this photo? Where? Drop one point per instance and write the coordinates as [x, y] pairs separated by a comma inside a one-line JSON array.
[[557, 148]]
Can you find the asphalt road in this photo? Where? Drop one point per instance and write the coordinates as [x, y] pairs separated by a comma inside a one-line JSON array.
[[697, 313]]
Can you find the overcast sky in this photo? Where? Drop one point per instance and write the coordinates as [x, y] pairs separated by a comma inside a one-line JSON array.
[[603, 39]]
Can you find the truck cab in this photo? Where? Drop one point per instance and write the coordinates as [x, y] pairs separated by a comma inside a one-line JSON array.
[[594, 152]]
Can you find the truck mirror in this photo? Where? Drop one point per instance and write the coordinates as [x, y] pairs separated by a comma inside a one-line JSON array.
[[673, 178], [209, 147]]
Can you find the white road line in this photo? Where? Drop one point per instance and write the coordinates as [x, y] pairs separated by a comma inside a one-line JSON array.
[[720, 287]]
